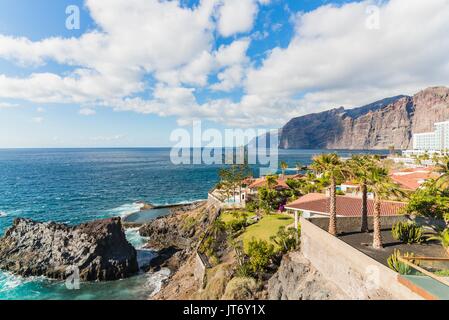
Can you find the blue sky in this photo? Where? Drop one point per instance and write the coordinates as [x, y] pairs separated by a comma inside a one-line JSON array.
[[136, 70]]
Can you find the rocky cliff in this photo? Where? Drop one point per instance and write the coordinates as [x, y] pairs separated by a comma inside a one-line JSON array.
[[297, 279], [380, 125], [99, 249]]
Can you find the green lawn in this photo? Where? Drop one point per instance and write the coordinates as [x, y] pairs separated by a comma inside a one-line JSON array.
[[265, 228], [228, 216]]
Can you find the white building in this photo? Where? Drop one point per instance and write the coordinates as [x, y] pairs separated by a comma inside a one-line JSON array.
[[436, 141]]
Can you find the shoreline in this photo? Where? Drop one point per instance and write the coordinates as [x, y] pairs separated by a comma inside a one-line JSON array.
[[150, 212]]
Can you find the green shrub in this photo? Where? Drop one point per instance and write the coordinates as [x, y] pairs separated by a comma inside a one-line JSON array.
[[189, 223], [259, 254], [407, 232], [442, 273], [398, 266], [252, 206], [286, 239], [443, 237], [244, 270]]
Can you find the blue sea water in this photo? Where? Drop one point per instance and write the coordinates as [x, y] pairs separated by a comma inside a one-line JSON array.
[[78, 185]]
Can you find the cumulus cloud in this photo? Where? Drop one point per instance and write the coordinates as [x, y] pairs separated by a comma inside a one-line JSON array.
[[334, 59], [164, 51], [236, 16], [7, 105]]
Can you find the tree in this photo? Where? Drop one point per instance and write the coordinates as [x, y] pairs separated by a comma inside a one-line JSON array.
[[271, 182], [330, 166], [284, 166], [259, 253], [443, 168], [382, 186], [359, 167], [429, 201]]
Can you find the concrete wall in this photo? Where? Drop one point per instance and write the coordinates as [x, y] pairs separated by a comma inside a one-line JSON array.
[[200, 270], [353, 224], [356, 274]]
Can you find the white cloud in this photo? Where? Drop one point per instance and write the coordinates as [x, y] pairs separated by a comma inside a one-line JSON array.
[[87, 112], [7, 105], [40, 110], [332, 59], [37, 119], [236, 16], [335, 60]]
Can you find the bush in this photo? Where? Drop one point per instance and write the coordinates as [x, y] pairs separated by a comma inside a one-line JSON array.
[[398, 266], [244, 270], [252, 206], [442, 237], [286, 239], [236, 225], [259, 254], [407, 232]]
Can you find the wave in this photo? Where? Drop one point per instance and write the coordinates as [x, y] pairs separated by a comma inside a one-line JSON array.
[[125, 209], [3, 214], [156, 280]]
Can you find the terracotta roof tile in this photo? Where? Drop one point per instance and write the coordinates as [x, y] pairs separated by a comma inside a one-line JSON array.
[[346, 206]]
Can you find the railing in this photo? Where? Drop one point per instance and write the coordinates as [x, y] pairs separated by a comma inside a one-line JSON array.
[[409, 261]]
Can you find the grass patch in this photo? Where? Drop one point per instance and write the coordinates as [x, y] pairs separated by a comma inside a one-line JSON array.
[[230, 216], [267, 226]]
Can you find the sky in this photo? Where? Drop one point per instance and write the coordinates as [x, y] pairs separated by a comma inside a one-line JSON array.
[[133, 71]]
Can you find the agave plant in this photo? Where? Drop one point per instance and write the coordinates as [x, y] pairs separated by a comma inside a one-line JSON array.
[[402, 268], [443, 237]]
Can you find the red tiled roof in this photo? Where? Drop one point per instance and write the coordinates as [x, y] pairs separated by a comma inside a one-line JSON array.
[[346, 206], [412, 180], [262, 182]]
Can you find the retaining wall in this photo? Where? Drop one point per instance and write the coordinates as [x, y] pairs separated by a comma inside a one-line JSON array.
[[356, 274]]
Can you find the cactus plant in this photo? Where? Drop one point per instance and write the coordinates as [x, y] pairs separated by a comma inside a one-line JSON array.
[[398, 266], [407, 232]]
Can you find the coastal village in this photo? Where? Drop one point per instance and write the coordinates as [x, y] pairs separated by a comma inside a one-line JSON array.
[[368, 226], [371, 227]]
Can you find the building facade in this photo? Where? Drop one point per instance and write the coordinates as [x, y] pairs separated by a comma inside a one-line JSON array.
[[437, 141]]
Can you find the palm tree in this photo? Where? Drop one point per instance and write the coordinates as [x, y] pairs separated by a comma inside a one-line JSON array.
[[443, 168], [359, 166], [271, 182], [284, 166], [383, 187], [330, 166]]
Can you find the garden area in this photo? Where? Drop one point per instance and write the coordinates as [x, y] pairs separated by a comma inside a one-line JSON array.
[[263, 228]]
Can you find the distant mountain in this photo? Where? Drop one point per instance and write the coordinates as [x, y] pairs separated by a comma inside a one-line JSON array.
[[379, 125]]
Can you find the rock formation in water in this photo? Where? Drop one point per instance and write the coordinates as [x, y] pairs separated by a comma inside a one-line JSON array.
[[387, 123], [99, 249]]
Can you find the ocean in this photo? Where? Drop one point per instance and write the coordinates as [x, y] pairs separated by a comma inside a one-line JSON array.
[[77, 185]]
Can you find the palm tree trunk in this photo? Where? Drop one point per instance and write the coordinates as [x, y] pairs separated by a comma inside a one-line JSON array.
[[333, 208], [364, 208], [377, 236]]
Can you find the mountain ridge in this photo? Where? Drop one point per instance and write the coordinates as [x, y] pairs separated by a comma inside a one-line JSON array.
[[390, 122]]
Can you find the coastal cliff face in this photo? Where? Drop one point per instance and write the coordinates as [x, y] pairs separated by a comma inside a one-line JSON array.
[[386, 123], [99, 249]]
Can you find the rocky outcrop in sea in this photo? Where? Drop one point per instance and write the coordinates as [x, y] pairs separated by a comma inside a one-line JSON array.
[[98, 249]]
